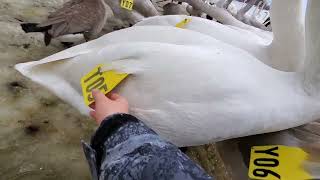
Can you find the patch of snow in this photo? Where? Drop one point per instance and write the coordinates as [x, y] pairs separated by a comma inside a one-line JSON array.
[[39, 134]]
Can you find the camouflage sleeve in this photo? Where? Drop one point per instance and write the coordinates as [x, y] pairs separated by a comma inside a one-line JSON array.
[[125, 148]]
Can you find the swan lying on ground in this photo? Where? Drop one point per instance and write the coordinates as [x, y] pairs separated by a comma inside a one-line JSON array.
[[284, 49], [191, 93]]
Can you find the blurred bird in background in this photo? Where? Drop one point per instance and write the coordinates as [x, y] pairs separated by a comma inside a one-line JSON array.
[[76, 16]]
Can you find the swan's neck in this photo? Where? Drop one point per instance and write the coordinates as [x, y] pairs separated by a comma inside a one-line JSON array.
[[288, 45], [312, 65]]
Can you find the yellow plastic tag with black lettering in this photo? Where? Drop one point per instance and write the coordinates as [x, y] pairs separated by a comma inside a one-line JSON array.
[[277, 162], [183, 23], [105, 81], [127, 4]]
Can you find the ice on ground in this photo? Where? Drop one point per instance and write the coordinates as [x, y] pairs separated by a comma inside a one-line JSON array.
[[39, 134]]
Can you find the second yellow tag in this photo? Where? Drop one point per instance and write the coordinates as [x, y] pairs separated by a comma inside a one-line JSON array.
[[127, 4], [105, 81], [183, 23], [277, 162]]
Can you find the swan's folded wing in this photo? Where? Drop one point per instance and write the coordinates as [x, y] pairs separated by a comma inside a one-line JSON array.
[[135, 34]]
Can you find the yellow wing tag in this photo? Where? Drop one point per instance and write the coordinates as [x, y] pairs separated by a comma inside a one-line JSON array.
[[127, 4], [183, 23], [97, 79], [277, 162]]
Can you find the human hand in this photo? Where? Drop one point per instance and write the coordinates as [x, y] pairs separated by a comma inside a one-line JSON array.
[[105, 106]]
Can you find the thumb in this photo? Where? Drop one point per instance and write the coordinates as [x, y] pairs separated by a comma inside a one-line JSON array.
[[98, 96], [114, 96], [93, 114]]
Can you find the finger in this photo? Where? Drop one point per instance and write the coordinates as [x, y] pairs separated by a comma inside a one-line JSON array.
[[99, 96], [93, 114], [114, 96], [118, 98]]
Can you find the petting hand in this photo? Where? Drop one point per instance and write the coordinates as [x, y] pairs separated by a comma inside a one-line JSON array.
[[105, 106]]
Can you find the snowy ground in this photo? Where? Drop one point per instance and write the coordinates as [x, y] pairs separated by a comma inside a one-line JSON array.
[[39, 134]]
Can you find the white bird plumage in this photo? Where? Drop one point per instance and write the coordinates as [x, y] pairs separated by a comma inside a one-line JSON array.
[[284, 49], [189, 87]]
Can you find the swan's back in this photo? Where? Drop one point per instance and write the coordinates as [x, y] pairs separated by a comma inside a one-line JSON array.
[[188, 92]]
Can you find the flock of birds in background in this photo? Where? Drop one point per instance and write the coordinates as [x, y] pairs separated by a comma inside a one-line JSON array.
[[93, 18]]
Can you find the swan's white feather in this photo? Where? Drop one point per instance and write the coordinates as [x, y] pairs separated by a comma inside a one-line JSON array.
[[191, 93], [284, 51]]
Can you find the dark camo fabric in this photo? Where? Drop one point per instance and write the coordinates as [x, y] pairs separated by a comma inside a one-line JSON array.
[[125, 148]]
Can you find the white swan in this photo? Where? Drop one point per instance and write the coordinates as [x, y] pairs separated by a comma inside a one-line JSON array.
[[192, 93], [285, 52]]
